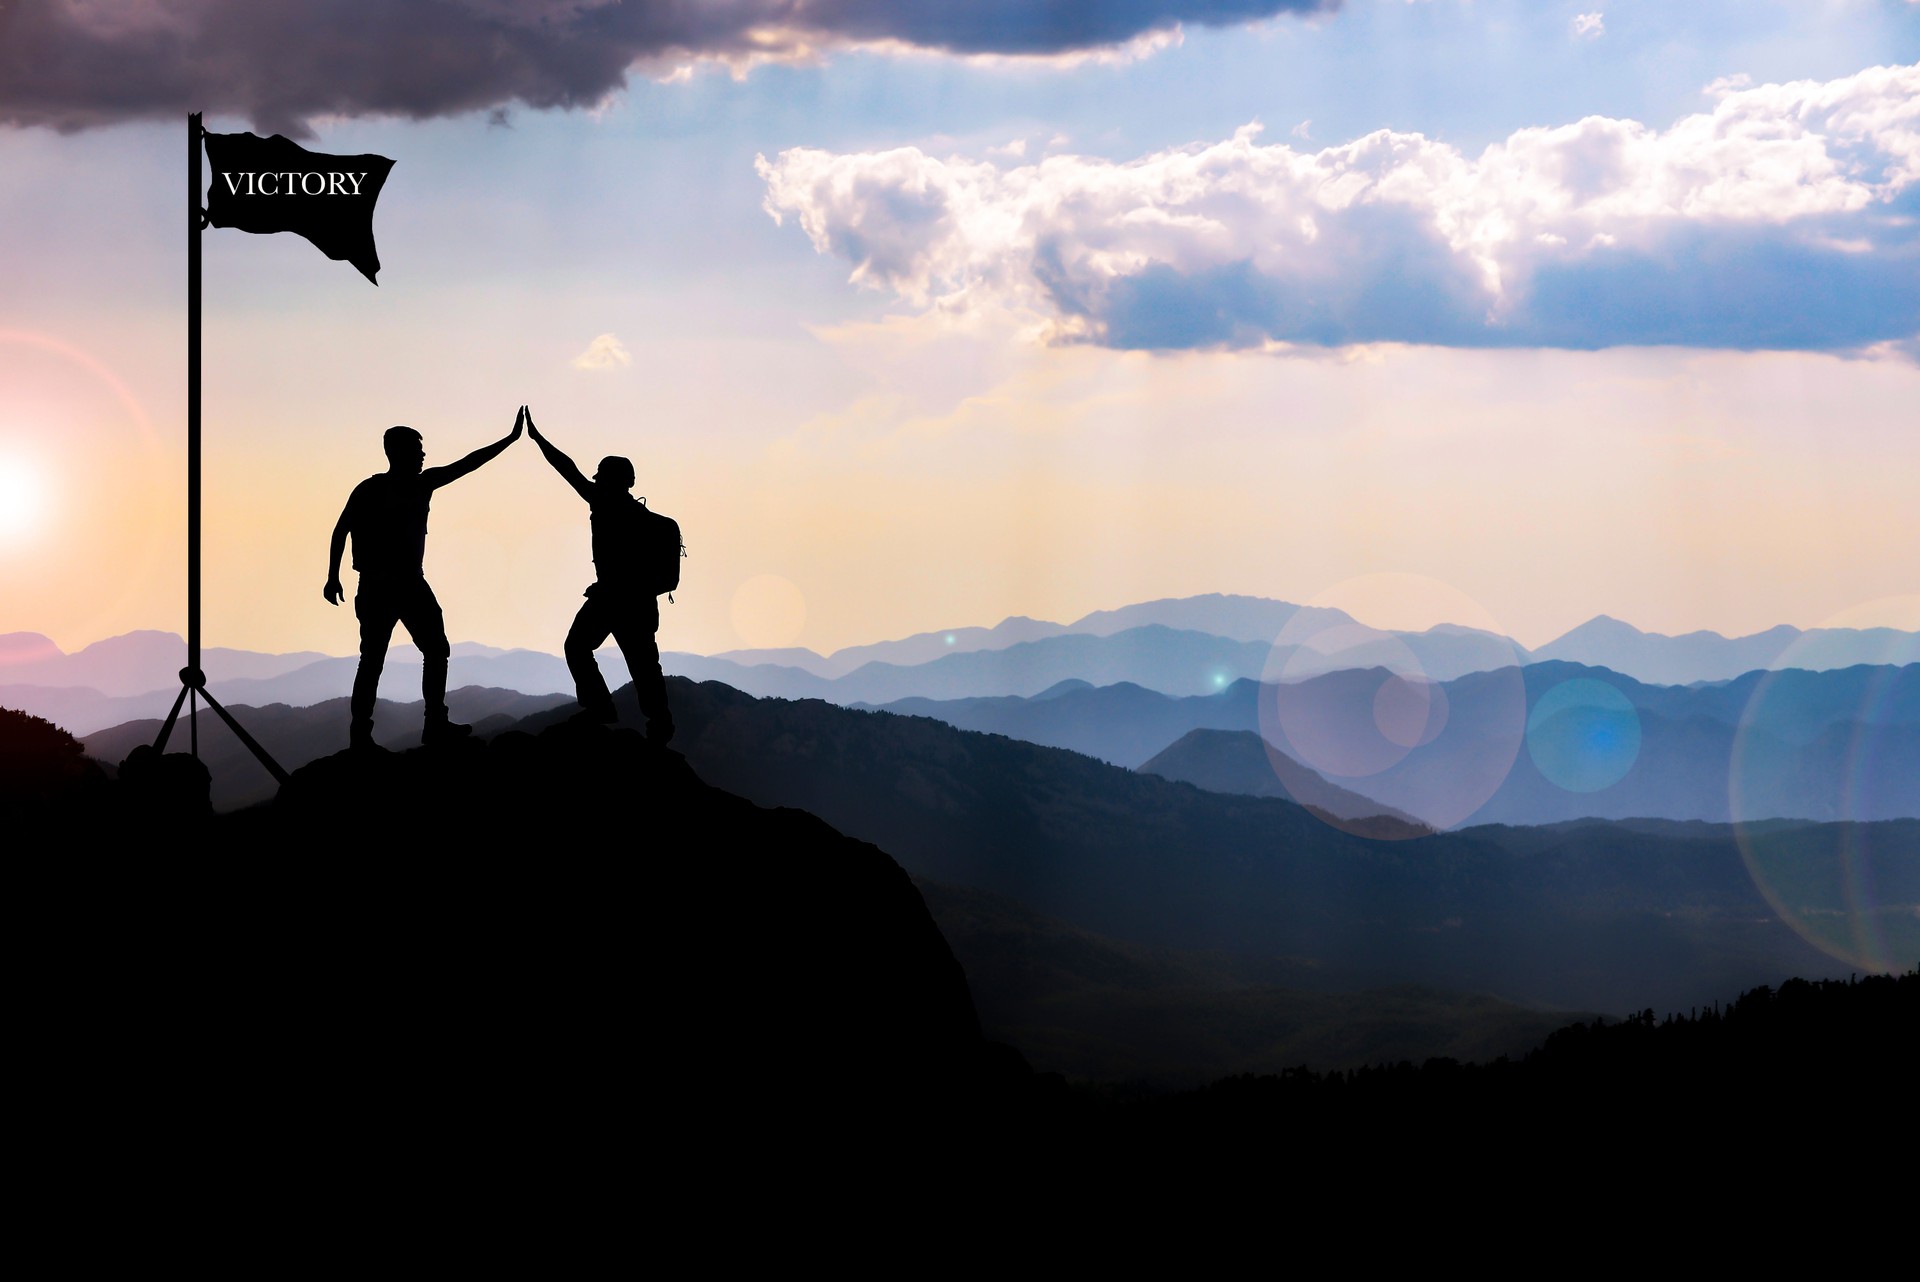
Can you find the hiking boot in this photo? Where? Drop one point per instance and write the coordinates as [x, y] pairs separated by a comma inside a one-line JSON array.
[[591, 717], [441, 730], [360, 738], [659, 733]]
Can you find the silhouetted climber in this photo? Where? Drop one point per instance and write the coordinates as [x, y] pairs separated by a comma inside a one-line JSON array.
[[387, 516], [635, 556]]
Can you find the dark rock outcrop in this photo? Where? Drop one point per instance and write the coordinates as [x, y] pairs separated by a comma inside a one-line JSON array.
[[567, 936], [733, 940]]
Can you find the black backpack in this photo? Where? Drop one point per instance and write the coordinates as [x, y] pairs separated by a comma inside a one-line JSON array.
[[657, 550]]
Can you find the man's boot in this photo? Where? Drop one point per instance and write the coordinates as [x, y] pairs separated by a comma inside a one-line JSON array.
[[441, 730], [360, 738]]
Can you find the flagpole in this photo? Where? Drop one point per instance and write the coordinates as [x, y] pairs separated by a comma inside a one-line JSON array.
[[192, 677], [193, 681]]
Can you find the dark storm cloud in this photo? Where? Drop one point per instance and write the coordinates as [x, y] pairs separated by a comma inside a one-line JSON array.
[[1030, 27], [70, 64]]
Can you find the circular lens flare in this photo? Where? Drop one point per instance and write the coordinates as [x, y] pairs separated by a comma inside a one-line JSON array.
[[1818, 791], [1332, 720], [1421, 726], [1409, 711], [1583, 735]]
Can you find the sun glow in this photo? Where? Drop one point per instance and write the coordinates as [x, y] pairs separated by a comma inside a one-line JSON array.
[[23, 501]]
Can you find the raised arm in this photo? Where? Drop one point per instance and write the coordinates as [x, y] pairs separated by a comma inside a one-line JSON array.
[[435, 477], [561, 463]]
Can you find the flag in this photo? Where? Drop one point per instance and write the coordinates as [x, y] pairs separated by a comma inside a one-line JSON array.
[[267, 185]]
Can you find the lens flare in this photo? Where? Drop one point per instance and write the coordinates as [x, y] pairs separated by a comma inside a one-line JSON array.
[[84, 435], [1331, 721], [1410, 711], [1367, 708], [1850, 882], [1583, 735]]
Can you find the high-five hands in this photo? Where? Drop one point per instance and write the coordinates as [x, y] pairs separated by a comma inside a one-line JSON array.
[[532, 431]]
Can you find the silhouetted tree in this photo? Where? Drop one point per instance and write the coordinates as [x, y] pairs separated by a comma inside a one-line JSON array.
[[40, 763]]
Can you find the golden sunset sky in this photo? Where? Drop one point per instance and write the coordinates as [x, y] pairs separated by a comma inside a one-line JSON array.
[[1570, 309]]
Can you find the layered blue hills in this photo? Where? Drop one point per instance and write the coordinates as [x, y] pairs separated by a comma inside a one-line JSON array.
[[1842, 744]]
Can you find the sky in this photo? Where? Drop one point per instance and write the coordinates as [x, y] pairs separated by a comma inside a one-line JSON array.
[[923, 314]]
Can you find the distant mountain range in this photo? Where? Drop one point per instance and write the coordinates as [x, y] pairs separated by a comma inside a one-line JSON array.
[[1182, 647], [1233, 618], [134, 664], [1152, 655], [1811, 745], [1707, 656], [1131, 686], [1189, 645], [1585, 915], [1823, 746], [1443, 652]]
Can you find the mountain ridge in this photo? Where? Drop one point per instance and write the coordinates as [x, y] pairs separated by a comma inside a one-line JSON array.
[[1226, 636], [433, 936], [1161, 863], [1798, 737]]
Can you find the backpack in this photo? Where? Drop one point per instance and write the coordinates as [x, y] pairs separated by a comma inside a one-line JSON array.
[[657, 550]]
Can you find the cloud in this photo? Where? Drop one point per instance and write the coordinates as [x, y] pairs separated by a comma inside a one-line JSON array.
[[1783, 217], [1589, 26], [71, 64], [604, 352]]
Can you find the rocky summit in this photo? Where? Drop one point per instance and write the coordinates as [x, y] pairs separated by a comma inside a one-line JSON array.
[[550, 942]]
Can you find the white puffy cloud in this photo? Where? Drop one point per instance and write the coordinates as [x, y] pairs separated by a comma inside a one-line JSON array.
[[604, 352], [1589, 26], [1781, 217]]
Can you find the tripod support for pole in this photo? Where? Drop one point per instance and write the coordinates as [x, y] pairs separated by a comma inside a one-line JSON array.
[[193, 685]]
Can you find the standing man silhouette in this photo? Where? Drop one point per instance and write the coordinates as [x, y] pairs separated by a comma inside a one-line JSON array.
[[387, 516], [619, 602]]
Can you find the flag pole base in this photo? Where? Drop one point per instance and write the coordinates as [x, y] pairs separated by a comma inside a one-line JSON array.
[[194, 682]]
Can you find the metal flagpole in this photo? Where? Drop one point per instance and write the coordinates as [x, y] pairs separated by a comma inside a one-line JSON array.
[[193, 682], [191, 676]]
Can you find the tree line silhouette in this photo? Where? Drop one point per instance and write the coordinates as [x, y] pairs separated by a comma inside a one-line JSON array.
[[1775, 1068]]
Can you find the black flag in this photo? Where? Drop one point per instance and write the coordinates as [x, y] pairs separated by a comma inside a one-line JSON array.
[[273, 184]]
